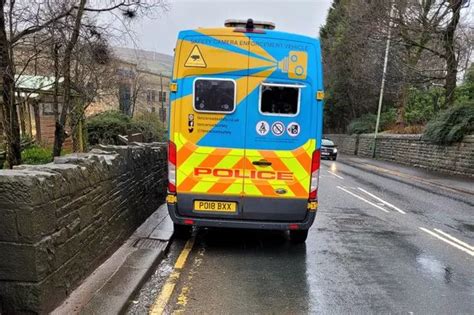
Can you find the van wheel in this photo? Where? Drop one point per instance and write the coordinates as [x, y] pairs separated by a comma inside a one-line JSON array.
[[298, 236], [182, 231]]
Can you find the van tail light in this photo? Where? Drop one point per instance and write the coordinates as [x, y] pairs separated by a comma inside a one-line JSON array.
[[188, 222], [293, 226], [171, 167], [315, 162]]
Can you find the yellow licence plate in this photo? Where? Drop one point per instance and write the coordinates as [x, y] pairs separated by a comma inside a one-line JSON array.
[[215, 206]]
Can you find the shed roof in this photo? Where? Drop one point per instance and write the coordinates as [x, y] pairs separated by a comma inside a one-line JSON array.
[[35, 82]]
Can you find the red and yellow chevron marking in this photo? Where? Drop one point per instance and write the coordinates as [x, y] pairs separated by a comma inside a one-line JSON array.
[[298, 162], [208, 157], [223, 184], [231, 172]]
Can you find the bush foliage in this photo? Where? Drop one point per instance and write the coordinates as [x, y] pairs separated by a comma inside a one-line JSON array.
[[452, 124], [33, 154], [151, 126], [36, 155], [105, 128], [423, 105], [465, 91], [366, 123]]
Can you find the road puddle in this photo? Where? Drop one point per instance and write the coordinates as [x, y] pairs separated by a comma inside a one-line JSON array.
[[434, 268]]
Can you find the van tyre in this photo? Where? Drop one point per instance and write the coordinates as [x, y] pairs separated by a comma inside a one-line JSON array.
[[298, 236], [182, 231]]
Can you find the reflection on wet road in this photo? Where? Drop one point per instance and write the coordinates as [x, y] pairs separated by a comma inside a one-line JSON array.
[[224, 278], [368, 251]]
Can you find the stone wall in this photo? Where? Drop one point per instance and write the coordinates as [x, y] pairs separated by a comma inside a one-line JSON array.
[[345, 144], [411, 150], [59, 221]]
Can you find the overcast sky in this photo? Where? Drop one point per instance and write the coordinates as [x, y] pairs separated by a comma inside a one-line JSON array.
[[296, 16]]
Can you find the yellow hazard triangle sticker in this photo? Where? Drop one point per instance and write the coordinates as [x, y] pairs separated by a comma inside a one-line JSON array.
[[195, 59]]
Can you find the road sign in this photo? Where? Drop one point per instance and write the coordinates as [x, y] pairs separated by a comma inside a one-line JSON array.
[[278, 128], [195, 59], [293, 129], [262, 128]]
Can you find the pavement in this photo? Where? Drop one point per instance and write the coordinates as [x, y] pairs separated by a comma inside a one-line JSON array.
[[111, 287], [387, 239]]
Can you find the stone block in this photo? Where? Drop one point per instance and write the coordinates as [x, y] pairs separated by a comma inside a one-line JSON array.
[[36, 222], [18, 262], [8, 227]]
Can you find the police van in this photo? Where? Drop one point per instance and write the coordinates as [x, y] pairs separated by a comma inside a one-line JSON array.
[[245, 126]]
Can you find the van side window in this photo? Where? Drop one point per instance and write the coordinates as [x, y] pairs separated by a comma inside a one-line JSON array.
[[214, 95], [279, 100]]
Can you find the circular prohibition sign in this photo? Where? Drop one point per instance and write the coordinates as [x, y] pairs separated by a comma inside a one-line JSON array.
[[278, 128]]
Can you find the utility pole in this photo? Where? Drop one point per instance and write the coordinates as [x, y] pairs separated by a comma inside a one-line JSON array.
[[382, 86], [162, 100]]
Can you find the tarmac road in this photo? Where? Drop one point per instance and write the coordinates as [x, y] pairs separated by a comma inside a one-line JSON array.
[[378, 245]]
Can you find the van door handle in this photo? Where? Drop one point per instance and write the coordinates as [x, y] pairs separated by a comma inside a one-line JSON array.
[[262, 163]]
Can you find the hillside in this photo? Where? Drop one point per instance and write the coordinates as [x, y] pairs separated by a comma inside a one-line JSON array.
[[146, 60]]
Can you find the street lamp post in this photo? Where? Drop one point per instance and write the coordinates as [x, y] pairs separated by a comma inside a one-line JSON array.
[[382, 86]]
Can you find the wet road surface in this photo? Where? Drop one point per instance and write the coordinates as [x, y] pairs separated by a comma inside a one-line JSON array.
[[377, 245]]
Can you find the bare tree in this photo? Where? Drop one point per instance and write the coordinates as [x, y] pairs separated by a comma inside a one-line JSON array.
[[451, 56], [59, 132], [129, 9], [429, 31], [9, 111], [138, 86], [17, 21], [430, 46], [22, 20], [93, 76]]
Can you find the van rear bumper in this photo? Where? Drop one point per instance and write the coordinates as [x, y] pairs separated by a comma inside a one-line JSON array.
[[265, 219], [241, 224]]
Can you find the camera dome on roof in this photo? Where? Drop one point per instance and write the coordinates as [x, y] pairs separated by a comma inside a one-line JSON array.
[[244, 23]]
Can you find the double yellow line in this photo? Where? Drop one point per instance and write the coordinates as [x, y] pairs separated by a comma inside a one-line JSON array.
[[163, 298]]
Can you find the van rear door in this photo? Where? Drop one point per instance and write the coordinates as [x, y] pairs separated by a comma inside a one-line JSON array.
[[210, 112], [280, 136]]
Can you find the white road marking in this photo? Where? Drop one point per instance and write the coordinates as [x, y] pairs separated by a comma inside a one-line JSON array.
[[340, 177], [382, 201], [447, 241], [363, 199], [455, 239]]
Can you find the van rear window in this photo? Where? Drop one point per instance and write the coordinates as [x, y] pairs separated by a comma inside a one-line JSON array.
[[214, 95], [279, 100]]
